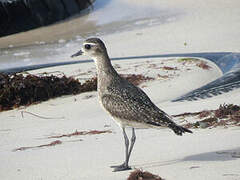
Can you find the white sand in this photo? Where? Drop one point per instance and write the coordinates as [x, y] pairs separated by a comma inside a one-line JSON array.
[[203, 27], [89, 157]]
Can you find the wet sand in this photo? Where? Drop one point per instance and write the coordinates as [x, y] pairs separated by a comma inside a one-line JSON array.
[[52, 43], [106, 17]]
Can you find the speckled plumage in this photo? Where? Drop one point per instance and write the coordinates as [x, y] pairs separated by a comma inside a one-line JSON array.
[[129, 103], [126, 103]]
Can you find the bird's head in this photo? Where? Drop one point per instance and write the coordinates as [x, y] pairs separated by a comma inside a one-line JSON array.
[[93, 48]]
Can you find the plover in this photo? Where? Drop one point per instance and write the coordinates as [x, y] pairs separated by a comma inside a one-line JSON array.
[[128, 105]]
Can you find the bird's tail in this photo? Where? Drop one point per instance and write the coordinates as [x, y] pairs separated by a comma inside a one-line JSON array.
[[179, 130]]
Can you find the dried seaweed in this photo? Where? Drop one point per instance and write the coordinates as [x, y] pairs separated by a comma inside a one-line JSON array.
[[143, 175], [136, 79], [203, 65], [79, 133], [227, 109], [17, 90], [169, 68], [54, 143], [22, 90], [225, 115], [199, 63]]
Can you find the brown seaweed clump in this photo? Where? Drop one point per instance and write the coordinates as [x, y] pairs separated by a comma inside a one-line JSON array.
[[21, 90], [225, 115], [18, 89], [136, 79], [143, 175]]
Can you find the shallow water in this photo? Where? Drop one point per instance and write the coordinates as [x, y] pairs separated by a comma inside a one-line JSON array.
[[52, 43]]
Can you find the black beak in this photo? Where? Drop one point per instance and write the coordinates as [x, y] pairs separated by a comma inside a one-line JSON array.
[[77, 54]]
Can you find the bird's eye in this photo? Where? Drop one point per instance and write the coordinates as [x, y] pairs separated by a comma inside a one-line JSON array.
[[87, 46]]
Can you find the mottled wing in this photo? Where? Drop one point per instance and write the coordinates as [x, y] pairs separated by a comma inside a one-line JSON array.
[[131, 103]]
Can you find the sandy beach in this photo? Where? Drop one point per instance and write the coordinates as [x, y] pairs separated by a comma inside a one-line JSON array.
[[32, 145]]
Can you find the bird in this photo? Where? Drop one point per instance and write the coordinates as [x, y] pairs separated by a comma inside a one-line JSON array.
[[126, 103]]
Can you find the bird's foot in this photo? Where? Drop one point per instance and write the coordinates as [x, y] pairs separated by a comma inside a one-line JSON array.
[[122, 167]]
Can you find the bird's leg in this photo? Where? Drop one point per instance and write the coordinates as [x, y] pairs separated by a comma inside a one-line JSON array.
[[124, 166], [126, 147], [133, 139]]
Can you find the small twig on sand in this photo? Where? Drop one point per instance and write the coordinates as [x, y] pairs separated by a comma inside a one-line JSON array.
[[42, 117], [78, 133]]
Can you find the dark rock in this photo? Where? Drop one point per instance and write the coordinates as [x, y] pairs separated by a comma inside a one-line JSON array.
[[83, 4], [71, 7], [4, 18], [23, 15], [56, 10]]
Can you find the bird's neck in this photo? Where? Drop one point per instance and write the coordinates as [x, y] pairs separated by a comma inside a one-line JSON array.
[[104, 67], [105, 72]]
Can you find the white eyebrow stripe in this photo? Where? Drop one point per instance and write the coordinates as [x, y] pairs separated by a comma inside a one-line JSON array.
[[89, 43]]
